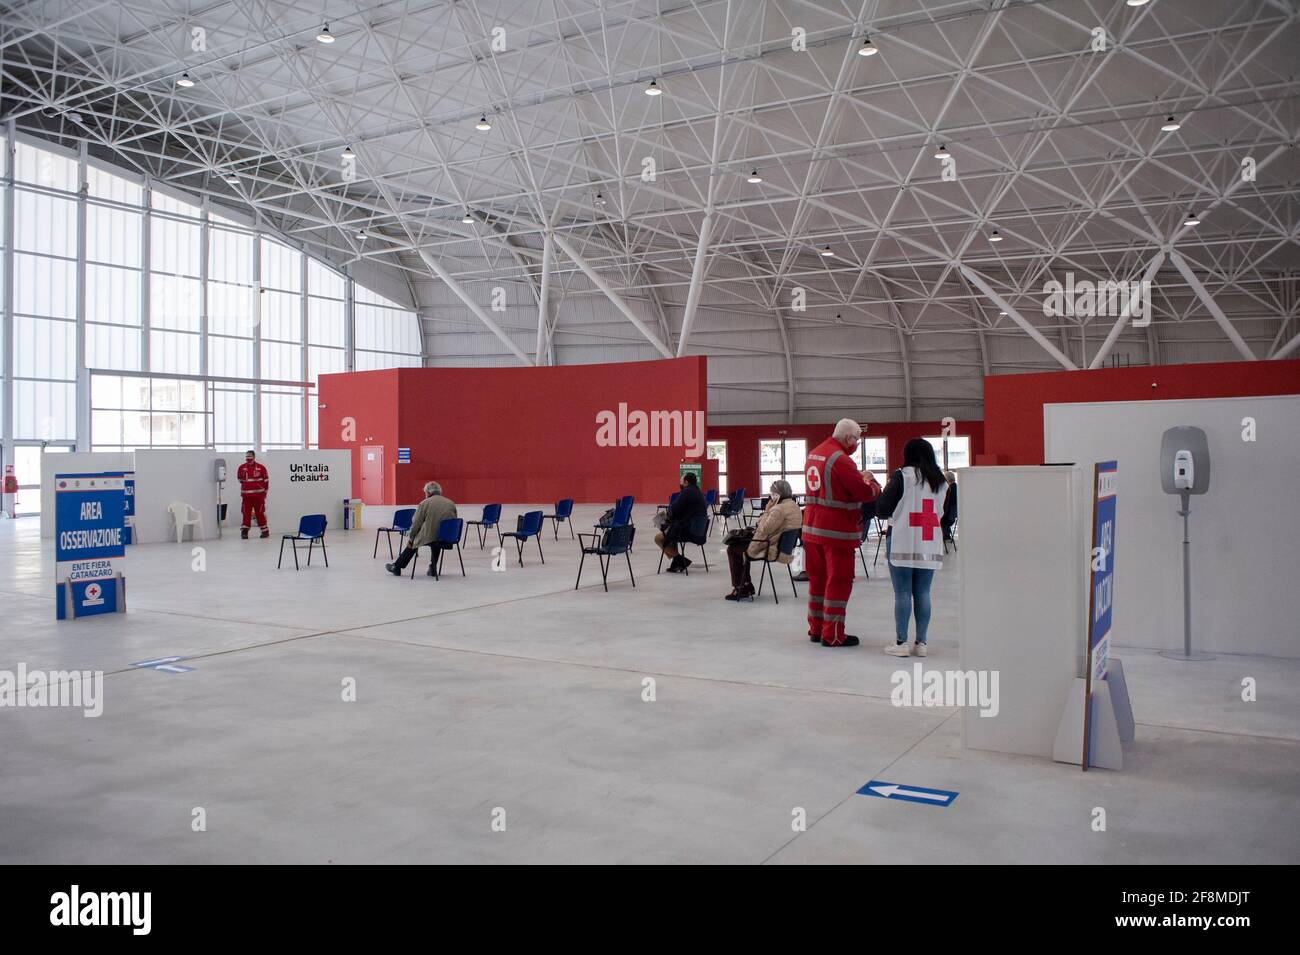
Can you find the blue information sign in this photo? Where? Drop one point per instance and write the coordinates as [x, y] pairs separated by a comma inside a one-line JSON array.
[[89, 538], [1102, 592]]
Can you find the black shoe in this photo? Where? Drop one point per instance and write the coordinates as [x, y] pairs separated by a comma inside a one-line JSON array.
[[802, 576], [747, 592], [686, 562], [392, 569], [430, 573], [734, 595], [849, 641], [815, 637], [243, 533], [265, 533]]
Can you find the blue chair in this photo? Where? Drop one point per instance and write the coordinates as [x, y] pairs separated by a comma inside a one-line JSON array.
[[401, 525], [699, 534], [528, 525], [672, 499], [311, 528], [614, 541], [491, 518], [622, 514], [563, 511], [449, 534], [732, 507], [785, 544], [757, 505]]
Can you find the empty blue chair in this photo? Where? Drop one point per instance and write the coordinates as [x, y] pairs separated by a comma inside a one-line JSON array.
[[401, 525], [785, 544], [491, 518], [699, 535], [614, 540], [449, 534], [311, 528], [619, 514], [528, 525], [563, 511]]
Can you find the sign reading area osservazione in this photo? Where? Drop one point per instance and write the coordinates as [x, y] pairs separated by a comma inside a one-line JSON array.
[[1101, 588], [89, 540]]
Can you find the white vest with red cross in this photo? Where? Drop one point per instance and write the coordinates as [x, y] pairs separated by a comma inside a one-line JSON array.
[[915, 537]]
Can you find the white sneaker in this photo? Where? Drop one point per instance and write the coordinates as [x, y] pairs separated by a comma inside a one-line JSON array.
[[898, 650], [919, 650]]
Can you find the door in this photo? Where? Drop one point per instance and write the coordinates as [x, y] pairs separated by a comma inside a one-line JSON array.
[[372, 474]]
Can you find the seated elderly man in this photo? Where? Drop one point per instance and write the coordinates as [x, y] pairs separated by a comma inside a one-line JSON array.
[[433, 510]]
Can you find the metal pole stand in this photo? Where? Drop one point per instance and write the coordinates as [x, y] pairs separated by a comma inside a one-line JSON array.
[[1186, 653]]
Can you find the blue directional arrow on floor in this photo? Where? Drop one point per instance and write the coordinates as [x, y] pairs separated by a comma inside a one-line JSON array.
[[163, 665], [933, 797]]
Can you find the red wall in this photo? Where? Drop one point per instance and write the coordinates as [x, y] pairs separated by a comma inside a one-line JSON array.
[[742, 443], [514, 435], [357, 409], [1013, 404]]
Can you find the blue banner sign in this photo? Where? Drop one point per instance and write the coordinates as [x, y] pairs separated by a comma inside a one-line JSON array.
[[89, 539]]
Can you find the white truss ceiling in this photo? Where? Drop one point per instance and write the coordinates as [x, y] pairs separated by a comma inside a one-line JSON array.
[[1057, 146]]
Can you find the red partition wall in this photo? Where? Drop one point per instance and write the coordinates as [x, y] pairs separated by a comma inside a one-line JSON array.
[[516, 435], [357, 409], [742, 443], [1013, 404]]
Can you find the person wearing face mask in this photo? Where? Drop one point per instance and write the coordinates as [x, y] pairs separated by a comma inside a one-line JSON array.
[[832, 528], [781, 515], [254, 482]]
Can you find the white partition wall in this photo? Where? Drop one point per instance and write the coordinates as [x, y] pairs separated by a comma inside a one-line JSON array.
[[75, 462], [1245, 532], [164, 476], [302, 482], [1024, 555]]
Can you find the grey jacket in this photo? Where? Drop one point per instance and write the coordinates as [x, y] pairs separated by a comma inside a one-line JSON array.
[[431, 512]]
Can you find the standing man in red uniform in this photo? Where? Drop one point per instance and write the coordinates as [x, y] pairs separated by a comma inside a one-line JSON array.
[[254, 482], [832, 527]]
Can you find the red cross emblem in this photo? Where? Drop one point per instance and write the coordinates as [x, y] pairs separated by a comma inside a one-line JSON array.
[[925, 518]]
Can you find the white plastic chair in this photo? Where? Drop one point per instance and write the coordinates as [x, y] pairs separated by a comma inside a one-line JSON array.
[[186, 516]]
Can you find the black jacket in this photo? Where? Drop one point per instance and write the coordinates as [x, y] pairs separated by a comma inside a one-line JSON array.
[[688, 506]]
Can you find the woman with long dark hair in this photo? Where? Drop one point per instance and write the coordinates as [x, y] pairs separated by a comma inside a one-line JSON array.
[[913, 505]]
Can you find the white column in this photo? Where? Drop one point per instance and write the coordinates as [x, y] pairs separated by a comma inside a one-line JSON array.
[[543, 303], [697, 280]]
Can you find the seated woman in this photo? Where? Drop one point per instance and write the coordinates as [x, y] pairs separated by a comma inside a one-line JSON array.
[[778, 517]]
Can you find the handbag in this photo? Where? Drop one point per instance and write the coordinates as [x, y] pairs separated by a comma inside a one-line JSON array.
[[742, 535]]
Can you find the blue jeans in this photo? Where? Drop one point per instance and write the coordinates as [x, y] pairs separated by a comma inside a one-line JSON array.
[[911, 586]]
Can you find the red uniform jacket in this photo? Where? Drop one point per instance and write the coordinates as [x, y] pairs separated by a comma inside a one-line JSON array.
[[836, 491], [253, 479]]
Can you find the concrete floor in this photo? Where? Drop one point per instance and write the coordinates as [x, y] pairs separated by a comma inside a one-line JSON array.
[[512, 690]]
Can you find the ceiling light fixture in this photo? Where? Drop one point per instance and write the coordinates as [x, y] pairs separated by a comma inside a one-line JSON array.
[[599, 200], [1192, 219], [184, 81], [754, 177], [827, 252], [1137, 3], [994, 237], [941, 151], [867, 49], [348, 153], [325, 36], [231, 179], [653, 89], [467, 219], [362, 235], [1171, 125], [483, 125]]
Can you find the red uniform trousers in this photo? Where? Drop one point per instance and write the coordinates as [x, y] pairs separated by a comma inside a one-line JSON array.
[[253, 505], [830, 582]]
